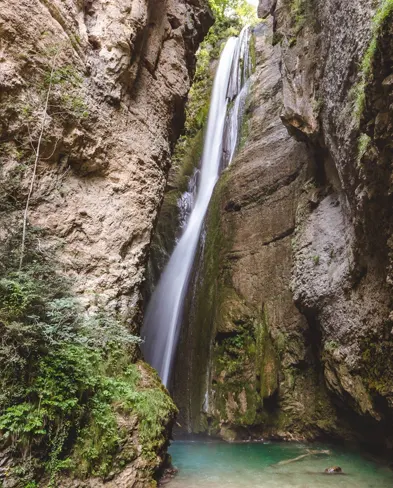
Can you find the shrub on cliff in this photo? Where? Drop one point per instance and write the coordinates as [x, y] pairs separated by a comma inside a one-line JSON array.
[[66, 379]]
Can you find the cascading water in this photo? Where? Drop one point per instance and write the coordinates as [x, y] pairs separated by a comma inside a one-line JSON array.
[[164, 312], [187, 199]]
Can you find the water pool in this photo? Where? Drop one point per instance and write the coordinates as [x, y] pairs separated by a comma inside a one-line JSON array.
[[254, 465]]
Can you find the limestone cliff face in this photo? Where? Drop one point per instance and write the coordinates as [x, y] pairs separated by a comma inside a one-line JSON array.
[[94, 92], [297, 260], [116, 74], [336, 63]]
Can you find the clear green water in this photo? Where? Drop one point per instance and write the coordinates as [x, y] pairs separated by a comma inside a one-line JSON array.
[[219, 465]]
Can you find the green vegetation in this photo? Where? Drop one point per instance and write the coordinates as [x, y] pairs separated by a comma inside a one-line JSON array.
[[330, 346], [382, 15], [378, 363], [253, 54], [301, 13], [363, 144], [316, 260], [66, 378], [245, 128], [68, 97], [245, 366], [234, 360], [240, 9]]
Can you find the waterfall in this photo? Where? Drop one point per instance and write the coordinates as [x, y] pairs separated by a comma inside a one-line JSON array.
[[164, 313], [231, 135], [187, 199]]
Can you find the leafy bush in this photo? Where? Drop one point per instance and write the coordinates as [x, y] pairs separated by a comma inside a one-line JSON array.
[[66, 378], [233, 9]]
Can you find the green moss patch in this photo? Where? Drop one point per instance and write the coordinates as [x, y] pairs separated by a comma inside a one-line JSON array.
[[382, 16]]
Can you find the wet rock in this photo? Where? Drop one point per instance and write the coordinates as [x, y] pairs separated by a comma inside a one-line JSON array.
[[168, 475], [342, 269], [334, 470], [262, 369]]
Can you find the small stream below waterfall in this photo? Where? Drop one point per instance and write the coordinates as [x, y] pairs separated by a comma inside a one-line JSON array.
[[254, 465]]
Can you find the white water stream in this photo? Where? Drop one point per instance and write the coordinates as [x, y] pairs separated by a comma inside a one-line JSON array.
[[164, 312]]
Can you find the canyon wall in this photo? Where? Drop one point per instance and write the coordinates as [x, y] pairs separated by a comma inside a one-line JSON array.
[[121, 71], [295, 296], [92, 97], [336, 64]]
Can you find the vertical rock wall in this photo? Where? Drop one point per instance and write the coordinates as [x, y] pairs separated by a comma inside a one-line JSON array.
[[117, 74], [335, 100], [264, 376], [296, 288]]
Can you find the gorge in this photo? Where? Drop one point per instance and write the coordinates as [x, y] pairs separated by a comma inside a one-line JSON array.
[[275, 208]]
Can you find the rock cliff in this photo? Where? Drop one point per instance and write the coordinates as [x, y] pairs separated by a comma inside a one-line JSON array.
[[336, 63], [117, 74], [294, 307], [92, 101]]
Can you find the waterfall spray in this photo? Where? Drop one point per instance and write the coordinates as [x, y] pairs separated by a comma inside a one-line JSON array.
[[164, 312]]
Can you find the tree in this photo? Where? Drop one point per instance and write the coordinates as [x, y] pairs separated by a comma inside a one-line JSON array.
[[37, 151], [233, 8]]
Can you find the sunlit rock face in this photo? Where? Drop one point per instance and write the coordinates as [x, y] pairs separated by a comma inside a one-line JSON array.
[[121, 72]]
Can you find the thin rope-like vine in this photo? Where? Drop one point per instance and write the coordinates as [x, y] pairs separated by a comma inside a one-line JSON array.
[[37, 157]]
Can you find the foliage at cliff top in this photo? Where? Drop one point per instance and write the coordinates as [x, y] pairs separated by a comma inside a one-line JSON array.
[[232, 9]]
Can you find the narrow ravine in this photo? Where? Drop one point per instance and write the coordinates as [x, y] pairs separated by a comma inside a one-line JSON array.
[[196, 243]]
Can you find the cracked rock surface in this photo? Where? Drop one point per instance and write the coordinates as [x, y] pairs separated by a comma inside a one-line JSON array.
[[121, 71]]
